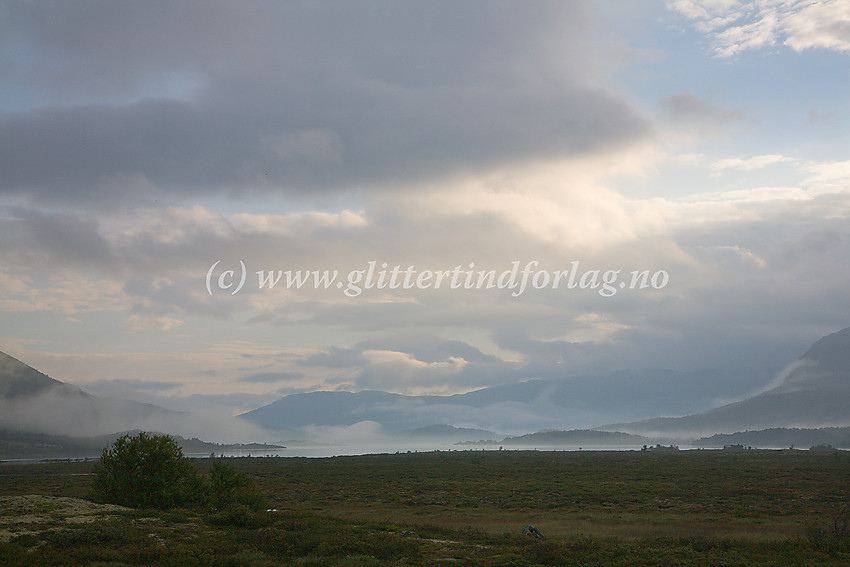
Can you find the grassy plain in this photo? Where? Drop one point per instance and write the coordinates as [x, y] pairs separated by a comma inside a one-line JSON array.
[[461, 508]]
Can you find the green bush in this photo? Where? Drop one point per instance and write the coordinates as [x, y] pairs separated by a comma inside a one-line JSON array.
[[230, 488], [150, 471], [241, 516], [146, 471]]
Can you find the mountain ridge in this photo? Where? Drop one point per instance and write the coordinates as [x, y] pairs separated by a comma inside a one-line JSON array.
[[19, 380], [32, 402], [814, 391]]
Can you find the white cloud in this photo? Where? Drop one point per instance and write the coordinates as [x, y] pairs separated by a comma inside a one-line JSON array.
[[394, 371], [834, 171], [755, 195], [692, 116], [823, 25], [755, 162], [736, 26], [709, 14]]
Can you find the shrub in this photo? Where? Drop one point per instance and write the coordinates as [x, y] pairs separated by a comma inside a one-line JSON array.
[[146, 471], [230, 488], [241, 516]]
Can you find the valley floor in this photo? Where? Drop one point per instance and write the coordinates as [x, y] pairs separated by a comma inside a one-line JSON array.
[[458, 508]]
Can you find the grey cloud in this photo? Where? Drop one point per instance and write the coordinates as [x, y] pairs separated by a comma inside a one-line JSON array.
[[272, 377], [688, 109], [108, 152], [550, 351], [223, 404], [61, 239], [335, 357], [57, 412], [236, 401], [397, 137], [151, 298], [106, 386], [97, 46], [315, 96]]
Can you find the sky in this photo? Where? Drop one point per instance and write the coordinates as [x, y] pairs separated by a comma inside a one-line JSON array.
[[153, 153]]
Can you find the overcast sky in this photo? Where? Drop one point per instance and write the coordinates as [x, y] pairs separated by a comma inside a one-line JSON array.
[[142, 142]]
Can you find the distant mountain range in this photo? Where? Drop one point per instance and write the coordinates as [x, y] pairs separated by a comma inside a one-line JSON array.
[[812, 393], [577, 438], [530, 405]]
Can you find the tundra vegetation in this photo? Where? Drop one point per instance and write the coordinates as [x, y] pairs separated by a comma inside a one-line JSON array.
[[451, 508]]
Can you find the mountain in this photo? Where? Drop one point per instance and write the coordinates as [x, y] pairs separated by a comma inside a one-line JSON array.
[[577, 438], [825, 367], [812, 392], [323, 408], [529, 405], [17, 381], [33, 403]]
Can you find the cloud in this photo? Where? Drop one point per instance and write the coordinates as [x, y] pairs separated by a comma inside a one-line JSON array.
[[60, 412], [411, 363], [163, 323], [73, 240], [743, 254], [264, 119], [272, 377], [824, 25], [835, 171], [735, 26], [66, 292], [335, 357], [144, 385], [756, 194], [153, 269], [686, 110], [755, 162]]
